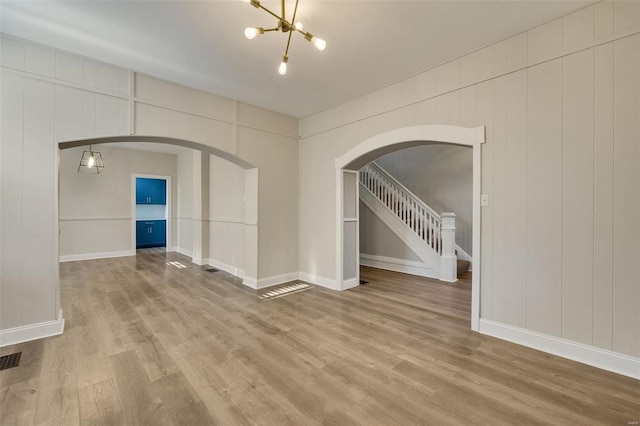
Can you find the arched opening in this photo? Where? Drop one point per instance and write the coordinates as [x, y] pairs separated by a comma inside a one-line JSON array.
[[224, 186], [347, 195]]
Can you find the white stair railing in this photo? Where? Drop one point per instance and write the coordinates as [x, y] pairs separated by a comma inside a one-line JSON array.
[[418, 216]]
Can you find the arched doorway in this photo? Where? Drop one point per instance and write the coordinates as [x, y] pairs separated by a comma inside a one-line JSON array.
[[347, 184], [245, 228]]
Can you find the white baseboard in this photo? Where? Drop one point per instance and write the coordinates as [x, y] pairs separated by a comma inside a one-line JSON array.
[[26, 333], [277, 279], [351, 283], [92, 256], [398, 265], [182, 251], [230, 269], [317, 280], [590, 355]]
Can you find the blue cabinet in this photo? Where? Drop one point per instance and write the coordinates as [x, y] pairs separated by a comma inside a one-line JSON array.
[[151, 233], [151, 191]]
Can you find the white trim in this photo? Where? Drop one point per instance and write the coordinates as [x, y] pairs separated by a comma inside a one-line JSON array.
[[82, 219], [92, 256], [237, 272], [277, 279], [394, 140], [398, 265], [428, 133], [350, 283], [590, 355], [318, 280], [463, 255], [26, 333], [183, 251]]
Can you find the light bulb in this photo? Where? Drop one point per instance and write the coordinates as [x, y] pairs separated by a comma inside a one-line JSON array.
[[283, 68], [319, 43], [91, 161], [299, 26], [252, 33], [283, 65]]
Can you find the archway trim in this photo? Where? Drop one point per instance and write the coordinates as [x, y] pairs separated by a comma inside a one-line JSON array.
[[396, 140], [163, 140], [385, 142]]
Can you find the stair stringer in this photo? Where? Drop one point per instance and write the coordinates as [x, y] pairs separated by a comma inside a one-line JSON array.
[[422, 250]]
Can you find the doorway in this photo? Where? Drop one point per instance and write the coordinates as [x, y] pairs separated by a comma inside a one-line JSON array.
[[347, 195], [151, 207]]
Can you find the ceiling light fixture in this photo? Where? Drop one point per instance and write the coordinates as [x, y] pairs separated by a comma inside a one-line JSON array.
[[91, 162], [284, 26]]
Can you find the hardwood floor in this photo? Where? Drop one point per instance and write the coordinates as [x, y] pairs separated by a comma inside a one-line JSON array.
[[154, 339]]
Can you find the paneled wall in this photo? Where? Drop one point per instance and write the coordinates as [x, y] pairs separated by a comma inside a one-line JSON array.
[[50, 96], [561, 165]]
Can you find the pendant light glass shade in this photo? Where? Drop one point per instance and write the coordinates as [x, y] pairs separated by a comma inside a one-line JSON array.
[[91, 162]]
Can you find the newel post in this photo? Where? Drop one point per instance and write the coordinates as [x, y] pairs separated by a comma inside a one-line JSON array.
[[448, 259]]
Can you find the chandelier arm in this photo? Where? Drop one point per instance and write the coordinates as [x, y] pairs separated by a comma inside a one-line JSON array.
[[295, 10], [270, 12]]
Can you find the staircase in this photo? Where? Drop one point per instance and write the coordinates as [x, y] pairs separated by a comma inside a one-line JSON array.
[[430, 236]]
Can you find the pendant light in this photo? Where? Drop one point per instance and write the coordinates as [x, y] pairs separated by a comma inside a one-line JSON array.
[[91, 162]]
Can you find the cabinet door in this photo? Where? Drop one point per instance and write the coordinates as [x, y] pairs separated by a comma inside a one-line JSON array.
[[157, 191], [142, 234], [158, 233], [142, 191]]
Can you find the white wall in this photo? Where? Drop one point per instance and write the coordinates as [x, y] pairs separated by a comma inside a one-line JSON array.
[[377, 239], [49, 96], [440, 175], [95, 209], [561, 106], [184, 219]]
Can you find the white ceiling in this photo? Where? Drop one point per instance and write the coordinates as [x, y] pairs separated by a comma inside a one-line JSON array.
[[201, 43]]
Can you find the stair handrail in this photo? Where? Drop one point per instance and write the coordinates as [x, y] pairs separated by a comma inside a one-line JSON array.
[[403, 188], [413, 212]]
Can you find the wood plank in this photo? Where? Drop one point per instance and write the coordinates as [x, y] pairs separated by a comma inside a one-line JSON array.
[[397, 350]]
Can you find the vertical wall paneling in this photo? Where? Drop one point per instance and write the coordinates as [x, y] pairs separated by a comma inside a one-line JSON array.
[[88, 114], [544, 198], [577, 197], [603, 19], [578, 28], [498, 200], [516, 199], [545, 41], [517, 52], [11, 140], [69, 113], [37, 200], [39, 60], [626, 197], [485, 117], [603, 197]]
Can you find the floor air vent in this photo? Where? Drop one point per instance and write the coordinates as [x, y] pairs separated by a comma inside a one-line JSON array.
[[212, 270], [10, 361], [284, 291], [363, 282]]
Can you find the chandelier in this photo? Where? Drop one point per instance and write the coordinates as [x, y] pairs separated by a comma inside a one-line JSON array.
[[285, 27]]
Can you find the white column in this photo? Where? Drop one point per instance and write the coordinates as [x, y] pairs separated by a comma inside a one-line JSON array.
[[448, 258]]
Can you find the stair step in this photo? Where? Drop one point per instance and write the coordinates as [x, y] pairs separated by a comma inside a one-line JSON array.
[[463, 266]]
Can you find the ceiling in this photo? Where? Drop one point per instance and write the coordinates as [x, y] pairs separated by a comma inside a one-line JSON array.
[[201, 44]]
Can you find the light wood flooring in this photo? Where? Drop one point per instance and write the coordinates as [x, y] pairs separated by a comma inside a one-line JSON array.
[[156, 340]]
